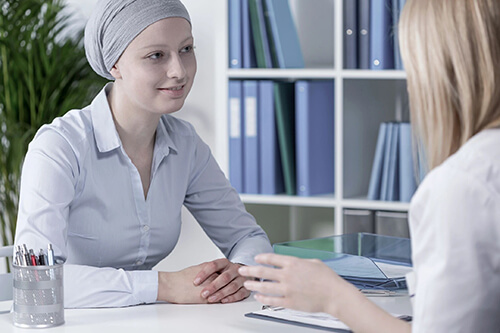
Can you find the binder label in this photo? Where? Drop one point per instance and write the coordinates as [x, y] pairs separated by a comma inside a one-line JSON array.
[[250, 117], [235, 121]]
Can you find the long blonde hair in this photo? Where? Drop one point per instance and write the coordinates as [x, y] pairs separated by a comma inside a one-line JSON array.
[[451, 52]]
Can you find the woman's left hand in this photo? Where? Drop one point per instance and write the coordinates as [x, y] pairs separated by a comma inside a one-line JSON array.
[[227, 287]]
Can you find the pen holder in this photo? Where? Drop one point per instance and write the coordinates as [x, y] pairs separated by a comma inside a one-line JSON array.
[[38, 296]]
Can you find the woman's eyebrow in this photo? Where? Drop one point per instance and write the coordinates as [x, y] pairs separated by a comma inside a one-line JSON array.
[[164, 45]]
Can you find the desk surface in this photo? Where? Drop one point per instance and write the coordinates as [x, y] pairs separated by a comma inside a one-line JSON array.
[[179, 318]]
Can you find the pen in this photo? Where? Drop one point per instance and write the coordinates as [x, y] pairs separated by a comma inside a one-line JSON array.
[[33, 258], [41, 258], [50, 255], [26, 256]]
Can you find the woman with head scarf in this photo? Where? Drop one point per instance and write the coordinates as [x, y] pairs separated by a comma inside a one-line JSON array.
[[105, 185], [451, 52]]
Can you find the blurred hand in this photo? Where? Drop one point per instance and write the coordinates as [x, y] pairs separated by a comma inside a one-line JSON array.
[[177, 287], [301, 284], [227, 287]]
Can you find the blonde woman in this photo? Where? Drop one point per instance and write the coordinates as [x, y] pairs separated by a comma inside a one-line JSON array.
[[451, 52]]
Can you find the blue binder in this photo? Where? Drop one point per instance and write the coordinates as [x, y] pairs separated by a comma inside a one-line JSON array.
[[407, 183], [393, 179], [251, 139], [314, 128], [387, 155], [350, 34], [378, 163], [235, 34], [271, 173], [248, 51], [235, 135], [260, 34], [285, 40], [381, 45], [364, 34]]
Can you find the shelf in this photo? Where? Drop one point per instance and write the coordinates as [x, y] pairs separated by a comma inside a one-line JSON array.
[[287, 200], [363, 203], [370, 74], [276, 73]]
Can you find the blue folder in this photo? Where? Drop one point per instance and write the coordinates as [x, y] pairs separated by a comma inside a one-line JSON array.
[[393, 176], [285, 39], [407, 183], [387, 155], [235, 135], [364, 34], [248, 50], [251, 139], [314, 141], [350, 34], [381, 44], [235, 34], [271, 173], [378, 163]]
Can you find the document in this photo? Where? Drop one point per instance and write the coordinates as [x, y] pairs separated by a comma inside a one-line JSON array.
[[318, 320]]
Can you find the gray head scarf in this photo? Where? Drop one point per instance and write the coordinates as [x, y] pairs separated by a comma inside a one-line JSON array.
[[115, 23]]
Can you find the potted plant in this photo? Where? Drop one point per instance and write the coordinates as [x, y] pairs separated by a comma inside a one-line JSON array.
[[43, 74]]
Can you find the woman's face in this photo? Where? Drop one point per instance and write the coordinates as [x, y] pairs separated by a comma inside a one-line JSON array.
[[156, 71]]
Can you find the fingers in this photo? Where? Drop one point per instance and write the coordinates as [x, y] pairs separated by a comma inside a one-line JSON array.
[[209, 268], [260, 272], [273, 259], [269, 288], [241, 294], [224, 285]]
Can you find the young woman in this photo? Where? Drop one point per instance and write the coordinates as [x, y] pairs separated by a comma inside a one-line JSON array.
[[105, 185], [451, 51]]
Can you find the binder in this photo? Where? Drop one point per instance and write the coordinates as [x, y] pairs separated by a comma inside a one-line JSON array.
[[397, 5], [381, 45], [235, 135], [350, 34], [285, 120], [358, 220], [364, 34], [407, 183], [259, 34], [392, 224], [393, 177], [284, 39], [387, 155], [271, 174], [251, 139], [248, 50], [235, 34], [378, 163], [314, 137]]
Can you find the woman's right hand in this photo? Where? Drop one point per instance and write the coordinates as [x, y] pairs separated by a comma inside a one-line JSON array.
[[178, 287]]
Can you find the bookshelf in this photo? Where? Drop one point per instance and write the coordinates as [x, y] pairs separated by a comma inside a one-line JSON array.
[[363, 99]]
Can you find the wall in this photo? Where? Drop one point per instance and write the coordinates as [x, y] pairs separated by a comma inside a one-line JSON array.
[[206, 16]]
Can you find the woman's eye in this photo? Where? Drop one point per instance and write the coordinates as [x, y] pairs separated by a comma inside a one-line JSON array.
[[187, 49], [156, 56]]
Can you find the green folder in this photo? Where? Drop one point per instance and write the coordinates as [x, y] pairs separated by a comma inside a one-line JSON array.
[[285, 122], [259, 34]]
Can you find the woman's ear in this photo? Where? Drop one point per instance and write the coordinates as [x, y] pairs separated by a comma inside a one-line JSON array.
[[115, 72]]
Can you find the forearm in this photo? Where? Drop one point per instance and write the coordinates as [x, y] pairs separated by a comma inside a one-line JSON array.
[[363, 316], [90, 287]]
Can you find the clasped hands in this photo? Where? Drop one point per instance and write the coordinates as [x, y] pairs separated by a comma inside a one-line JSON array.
[[216, 281]]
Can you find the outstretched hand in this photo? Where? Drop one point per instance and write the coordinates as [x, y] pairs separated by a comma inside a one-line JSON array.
[[227, 287], [301, 284]]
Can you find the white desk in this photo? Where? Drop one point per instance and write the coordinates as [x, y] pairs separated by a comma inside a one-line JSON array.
[[173, 318]]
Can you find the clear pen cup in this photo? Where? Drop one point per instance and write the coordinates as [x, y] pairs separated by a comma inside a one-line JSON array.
[[38, 296]]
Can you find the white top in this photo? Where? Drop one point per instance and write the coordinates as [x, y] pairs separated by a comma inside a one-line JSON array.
[[455, 229], [81, 192]]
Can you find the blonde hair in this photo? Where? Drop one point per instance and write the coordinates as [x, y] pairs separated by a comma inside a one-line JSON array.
[[451, 53]]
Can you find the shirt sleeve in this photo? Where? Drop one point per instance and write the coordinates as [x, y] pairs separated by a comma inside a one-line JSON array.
[[217, 207], [456, 254], [48, 182]]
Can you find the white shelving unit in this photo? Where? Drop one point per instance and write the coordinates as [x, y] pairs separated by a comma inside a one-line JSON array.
[[363, 99]]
